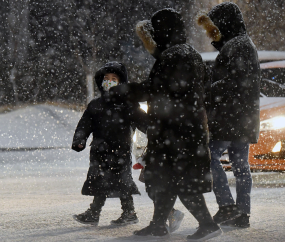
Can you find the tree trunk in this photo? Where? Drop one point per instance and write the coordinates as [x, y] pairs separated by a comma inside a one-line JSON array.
[[12, 78], [89, 87]]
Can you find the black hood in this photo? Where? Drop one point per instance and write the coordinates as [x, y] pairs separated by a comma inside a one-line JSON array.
[[229, 20], [164, 30], [111, 67], [168, 28]]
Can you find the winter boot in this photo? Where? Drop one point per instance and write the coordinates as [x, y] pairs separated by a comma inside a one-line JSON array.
[[127, 217], [88, 217], [205, 232], [240, 222], [226, 213], [175, 218], [153, 230], [92, 214]]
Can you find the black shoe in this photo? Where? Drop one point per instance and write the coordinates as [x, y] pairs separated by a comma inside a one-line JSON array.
[[240, 222], [153, 230], [205, 232], [88, 217], [226, 213], [126, 218]]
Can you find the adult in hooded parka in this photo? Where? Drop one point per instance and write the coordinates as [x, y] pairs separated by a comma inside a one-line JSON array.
[[178, 157], [113, 126], [234, 109]]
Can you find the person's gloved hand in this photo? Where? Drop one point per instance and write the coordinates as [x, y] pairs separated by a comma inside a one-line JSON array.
[[119, 90], [79, 145], [118, 93]]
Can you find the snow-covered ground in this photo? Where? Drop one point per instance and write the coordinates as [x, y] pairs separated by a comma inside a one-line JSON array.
[[40, 191], [37, 126]]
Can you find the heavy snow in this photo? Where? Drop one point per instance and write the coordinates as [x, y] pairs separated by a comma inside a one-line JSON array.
[[38, 126], [40, 189], [262, 55]]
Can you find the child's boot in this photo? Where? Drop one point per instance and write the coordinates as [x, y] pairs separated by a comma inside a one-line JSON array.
[[128, 216], [90, 216]]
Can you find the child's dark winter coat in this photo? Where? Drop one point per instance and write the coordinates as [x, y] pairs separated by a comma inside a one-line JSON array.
[[113, 127]]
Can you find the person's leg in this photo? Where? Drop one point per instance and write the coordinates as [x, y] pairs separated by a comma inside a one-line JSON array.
[[175, 216], [128, 216], [227, 208], [239, 156], [163, 204], [220, 181], [98, 203], [91, 215], [127, 203], [197, 207], [158, 181], [238, 153]]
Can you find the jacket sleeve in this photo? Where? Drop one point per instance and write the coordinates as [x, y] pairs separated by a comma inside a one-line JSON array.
[[173, 74], [207, 88], [237, 79], [82, 131], [134, 92], [140, 119], [131, 92]]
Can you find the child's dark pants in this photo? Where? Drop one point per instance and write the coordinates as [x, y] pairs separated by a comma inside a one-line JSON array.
[[127, 204]]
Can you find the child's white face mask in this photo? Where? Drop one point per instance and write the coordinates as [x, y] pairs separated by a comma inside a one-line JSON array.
[[107, 84]]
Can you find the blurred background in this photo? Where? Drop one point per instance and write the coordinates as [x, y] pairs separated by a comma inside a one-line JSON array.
[[50, 50]]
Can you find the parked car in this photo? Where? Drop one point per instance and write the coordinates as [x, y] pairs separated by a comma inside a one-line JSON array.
[[269, 153]]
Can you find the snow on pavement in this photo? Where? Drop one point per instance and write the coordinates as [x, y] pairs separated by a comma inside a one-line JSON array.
[[40, 191], [39, 126]]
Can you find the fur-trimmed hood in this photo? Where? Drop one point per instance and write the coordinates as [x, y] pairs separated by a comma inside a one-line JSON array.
[[111, 67], [164, 30], [222, 23]]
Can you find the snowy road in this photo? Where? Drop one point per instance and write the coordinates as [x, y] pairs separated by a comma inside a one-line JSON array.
[[40, 191]]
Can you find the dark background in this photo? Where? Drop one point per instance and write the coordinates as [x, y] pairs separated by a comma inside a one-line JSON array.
[[49, 47]]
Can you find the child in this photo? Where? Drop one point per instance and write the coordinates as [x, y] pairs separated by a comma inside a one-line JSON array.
[[112, 126], [175, 217]]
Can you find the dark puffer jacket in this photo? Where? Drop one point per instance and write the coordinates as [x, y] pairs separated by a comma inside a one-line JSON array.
[[234, 112], [112, 126], [177, 159]]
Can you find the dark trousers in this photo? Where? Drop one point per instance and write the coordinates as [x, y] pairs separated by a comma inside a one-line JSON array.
[[127, 204], [196, 205]]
